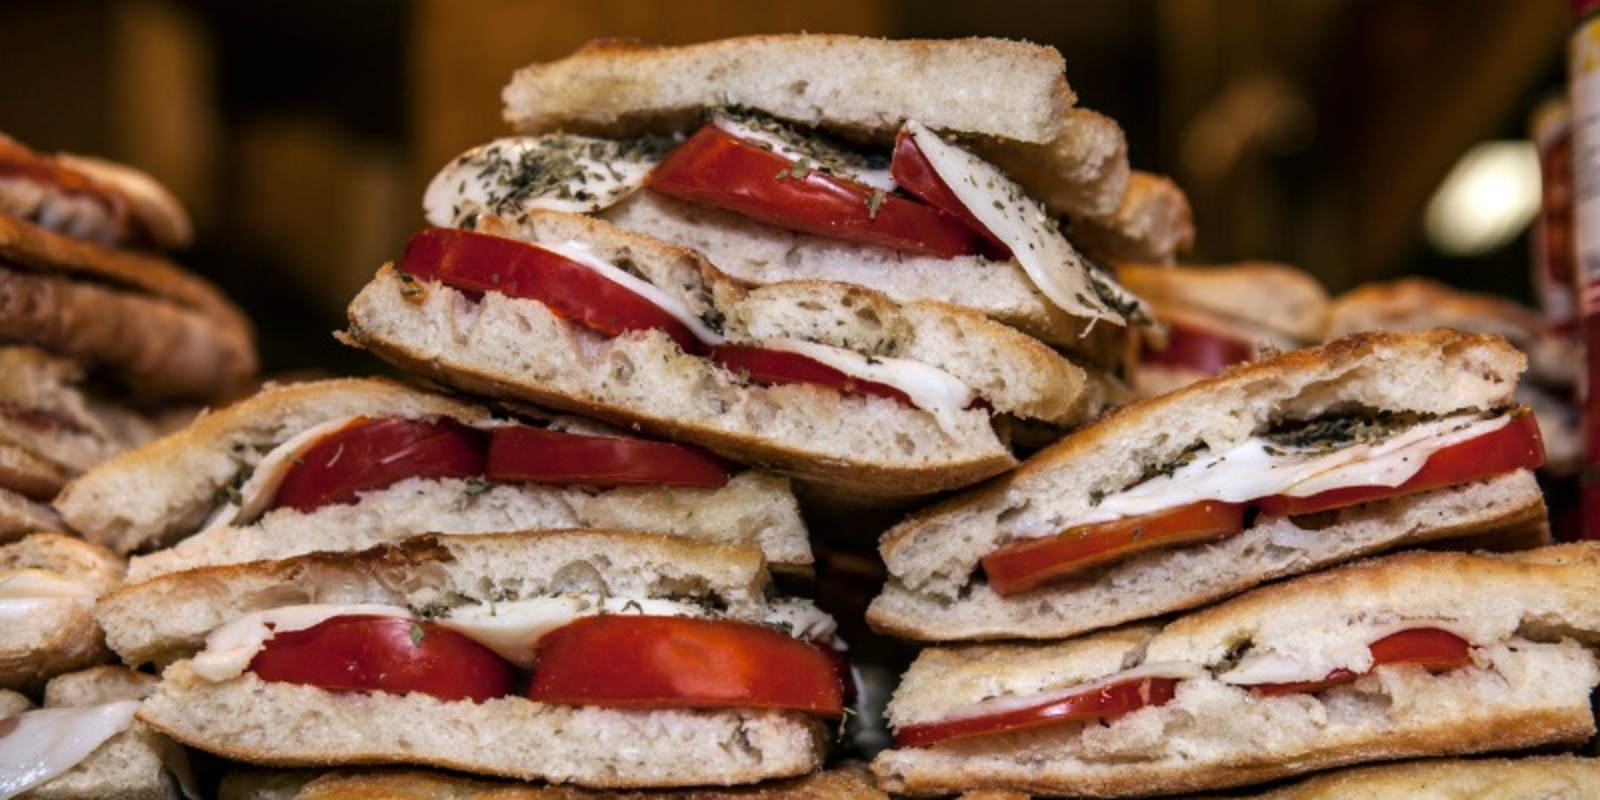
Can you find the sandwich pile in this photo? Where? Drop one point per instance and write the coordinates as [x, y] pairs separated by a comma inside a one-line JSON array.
[[710, 312]]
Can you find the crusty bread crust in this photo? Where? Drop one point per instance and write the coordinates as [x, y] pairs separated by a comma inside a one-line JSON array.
[[935, 551], [168, 617], [1531, 616], [645, 379], [1152, 223], [156, 494], [1166, 581], [1277, 297], [288, 725], [20, 516], [832, 784], [60, 634], [1551, 776]]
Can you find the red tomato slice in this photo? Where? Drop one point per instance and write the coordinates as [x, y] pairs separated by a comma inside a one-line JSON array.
[[386, 654], [912, 172], [1197, 349], [719, 169], [766, 366], [522, 453], [1025, 565], [372, 454], [1515, 445], [1107, 701], [629, 661], [478, 263], [1430, 648]]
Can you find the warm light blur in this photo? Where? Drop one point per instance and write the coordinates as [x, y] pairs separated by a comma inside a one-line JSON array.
[[1489, 197]]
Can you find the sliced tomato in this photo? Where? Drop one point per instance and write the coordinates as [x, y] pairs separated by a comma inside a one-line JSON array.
[[632, 661], [479, 263], [522, 453], [371, 454], [912, 172], [765, 366], [1197, 349], [719, 169], [1430, 648], [1515, 445], [386, 654], [1107, 701], [1026, 565]]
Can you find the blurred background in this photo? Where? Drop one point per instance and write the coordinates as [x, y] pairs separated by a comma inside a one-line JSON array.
[[301, 133]]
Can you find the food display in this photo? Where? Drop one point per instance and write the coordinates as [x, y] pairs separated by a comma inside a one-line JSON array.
[[657, 364]]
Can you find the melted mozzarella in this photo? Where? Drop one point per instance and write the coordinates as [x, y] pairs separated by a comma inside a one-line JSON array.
[[38, 746], [874, 178], [1271, 667], [1000, 705], [1004, 208], [1256, 468], [576, 174], [582, 254], [257, 492], [931, 389]]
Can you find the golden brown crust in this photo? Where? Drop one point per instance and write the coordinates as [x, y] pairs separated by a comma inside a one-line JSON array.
[[1153, 223], [1279, 297], [843, 784], [1567, 776]]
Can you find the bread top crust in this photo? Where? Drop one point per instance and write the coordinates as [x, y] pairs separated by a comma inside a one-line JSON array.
[[168, 617], [1414, 303], [165, 489], [1279, 297], [1484, 778], [861, 85], [1435, 372], [1324, 620], [1152, 222], [97, 568]]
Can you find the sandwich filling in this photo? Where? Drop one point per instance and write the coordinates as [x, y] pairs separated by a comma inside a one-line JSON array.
[[1307, 468], [40, 745]]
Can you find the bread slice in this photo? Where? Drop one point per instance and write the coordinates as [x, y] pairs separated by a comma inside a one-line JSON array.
[[409, 784], [1531, 617], [1152, 223], [138, 763], [163, 333], [46, 636], [1281, 301], [646, 380], [281, 724], [163, 493], [933, 555], [21, 515], [1481, 778]]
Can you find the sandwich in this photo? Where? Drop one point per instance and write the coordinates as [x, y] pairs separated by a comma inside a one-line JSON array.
[[648, 661], [831, 383], [1412, 304], [48, 585], [1268, 470], [1219, 315], [79, 278], [1418, 654], [345, 464], [55, 423], [409, 784], [85, 744], [1549, 776], [826, 157]]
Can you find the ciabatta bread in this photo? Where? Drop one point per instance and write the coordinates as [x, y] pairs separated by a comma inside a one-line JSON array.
[[90, 198], [935, 592], [1279, 301], [645, 379], [1552, 776], [51, 582], [1531, 619]]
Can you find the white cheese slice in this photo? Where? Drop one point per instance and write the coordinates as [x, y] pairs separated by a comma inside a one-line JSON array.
[[931, 389], [506, 177], [1268, 666], [514, 629], [582, 254], [1255, 469], [38, 746], [41, 583], [262, 486], [873, 178], [1056, 269], [1178, 670]]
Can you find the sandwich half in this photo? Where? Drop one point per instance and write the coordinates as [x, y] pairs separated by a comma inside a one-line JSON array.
[[345, 464], [828, 382], [1412, 655], [1271, 469], [825, 157], [648, 661], [48, 585]]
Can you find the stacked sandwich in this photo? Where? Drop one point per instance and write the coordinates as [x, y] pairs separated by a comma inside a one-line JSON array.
[[1189, 501]]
